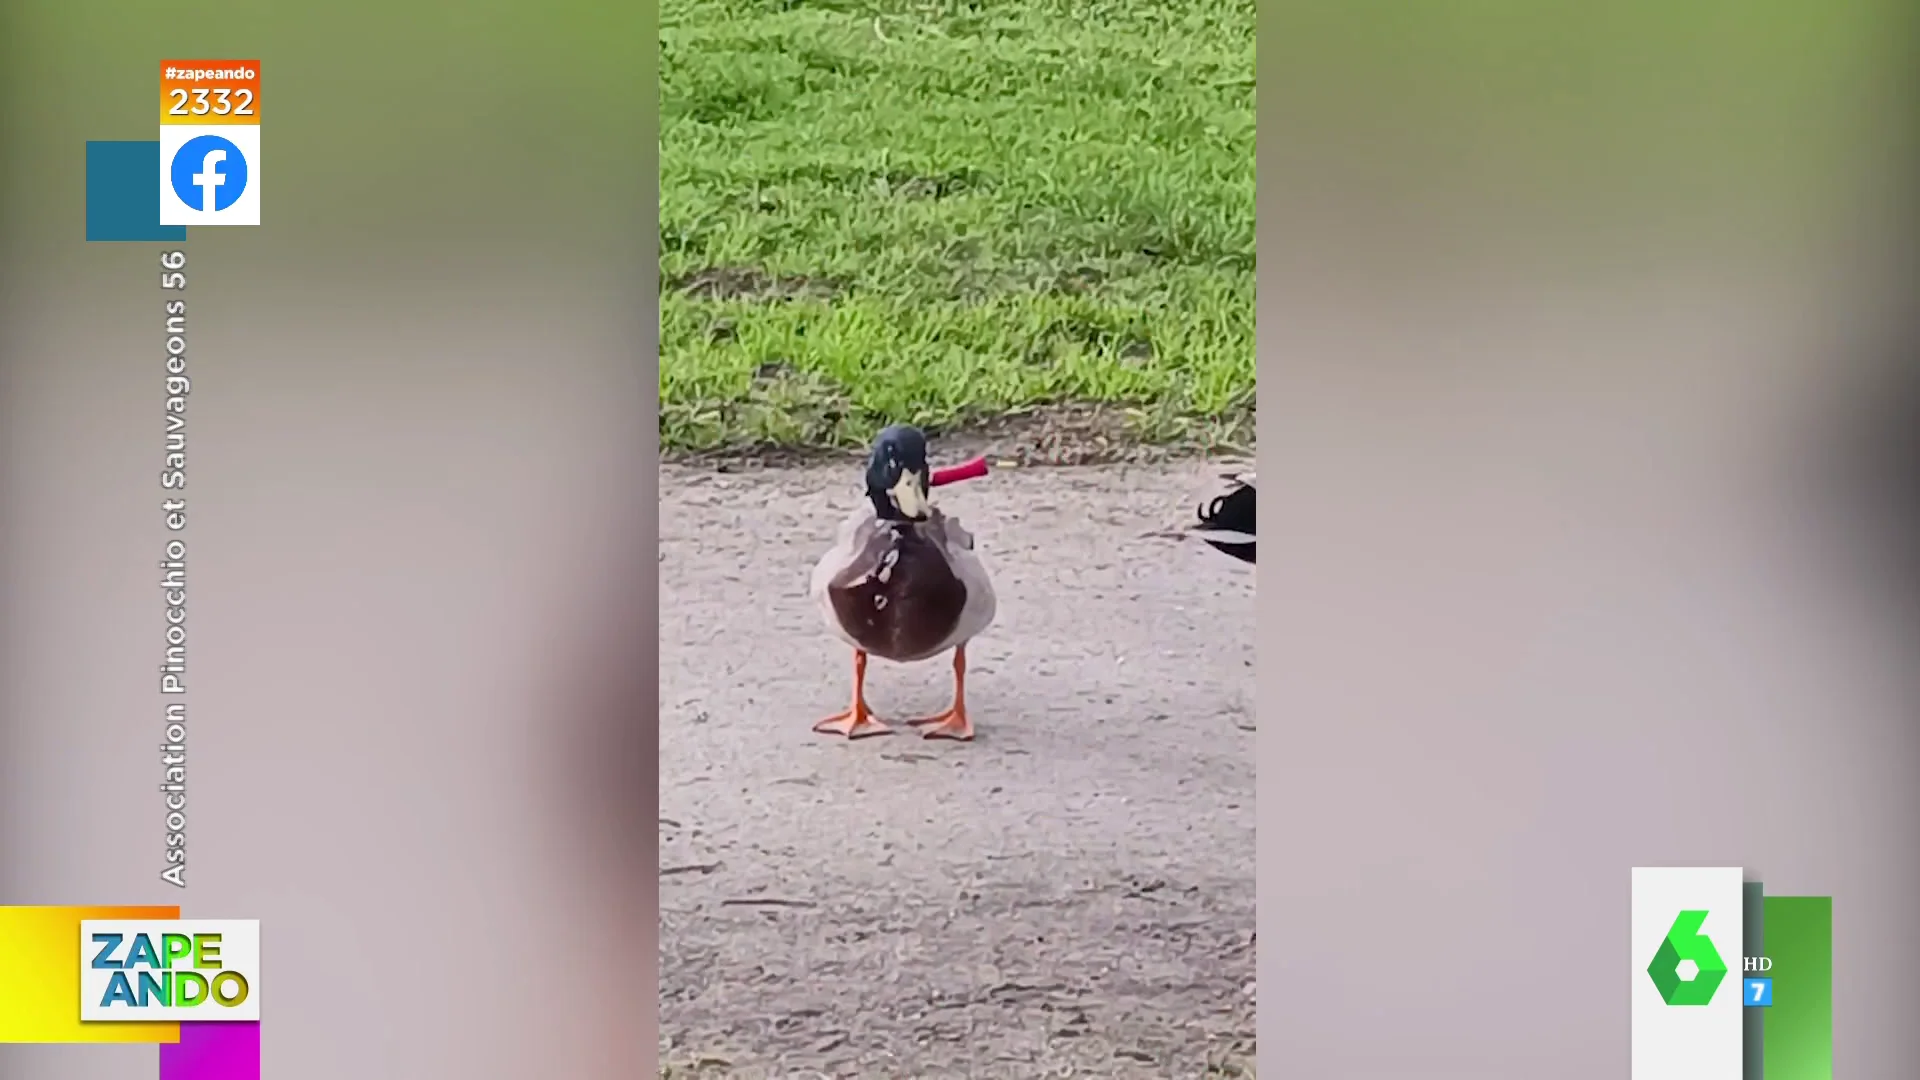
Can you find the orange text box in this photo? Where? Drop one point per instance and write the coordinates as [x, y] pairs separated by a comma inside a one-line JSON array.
[[201, 92]]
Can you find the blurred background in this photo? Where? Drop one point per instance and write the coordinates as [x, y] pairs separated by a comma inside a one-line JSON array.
[[1589, 371], [420, 584]]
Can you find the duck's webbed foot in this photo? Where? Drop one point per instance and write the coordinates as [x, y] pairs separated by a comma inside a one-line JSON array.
[[855, 723], [858, 721], [952, 724]]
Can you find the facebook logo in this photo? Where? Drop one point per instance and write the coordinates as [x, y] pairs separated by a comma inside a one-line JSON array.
[[210, 176], [209, 173]]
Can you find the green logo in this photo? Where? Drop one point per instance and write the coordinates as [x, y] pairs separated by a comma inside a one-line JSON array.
[[1685, 942]]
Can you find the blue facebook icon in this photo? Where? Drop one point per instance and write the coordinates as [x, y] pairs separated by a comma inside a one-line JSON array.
[[208, 173]]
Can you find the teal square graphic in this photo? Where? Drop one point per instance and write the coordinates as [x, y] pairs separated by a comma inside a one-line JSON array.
[[1759, 993], [123, 194]]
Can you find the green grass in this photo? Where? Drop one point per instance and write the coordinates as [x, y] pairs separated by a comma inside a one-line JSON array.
[[946, 211]]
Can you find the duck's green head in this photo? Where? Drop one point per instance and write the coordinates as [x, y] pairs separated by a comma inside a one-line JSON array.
[[897, 474]]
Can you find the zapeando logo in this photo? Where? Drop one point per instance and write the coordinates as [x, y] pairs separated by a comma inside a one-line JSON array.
[[1686, 945]]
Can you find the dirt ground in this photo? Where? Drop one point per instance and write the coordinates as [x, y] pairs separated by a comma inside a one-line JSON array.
[[1070, 895]]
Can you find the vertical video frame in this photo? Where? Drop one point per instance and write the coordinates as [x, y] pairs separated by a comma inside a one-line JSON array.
[[957, 538]]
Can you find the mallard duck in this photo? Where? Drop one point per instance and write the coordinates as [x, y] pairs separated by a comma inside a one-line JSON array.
[[1227, 522], [902, 582]]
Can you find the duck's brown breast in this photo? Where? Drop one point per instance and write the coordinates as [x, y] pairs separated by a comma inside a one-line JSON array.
[[898, 599]]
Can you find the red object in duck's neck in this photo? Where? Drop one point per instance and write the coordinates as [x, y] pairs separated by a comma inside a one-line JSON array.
[[953, 474]]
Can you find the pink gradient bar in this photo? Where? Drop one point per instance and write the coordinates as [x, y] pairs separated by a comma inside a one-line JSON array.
[[213, 1051], [953, 474]]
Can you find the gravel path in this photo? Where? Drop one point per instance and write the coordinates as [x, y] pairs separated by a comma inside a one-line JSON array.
[[1072, 894]]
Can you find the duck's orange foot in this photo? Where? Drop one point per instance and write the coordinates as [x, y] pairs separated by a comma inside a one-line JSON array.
[[855, 723], [952, 724]]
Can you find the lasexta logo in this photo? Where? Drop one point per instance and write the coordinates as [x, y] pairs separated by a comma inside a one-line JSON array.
[[1685, 945], [208, 173]]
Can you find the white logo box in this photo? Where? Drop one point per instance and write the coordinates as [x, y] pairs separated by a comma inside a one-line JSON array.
[[206, 960], [245, 210]]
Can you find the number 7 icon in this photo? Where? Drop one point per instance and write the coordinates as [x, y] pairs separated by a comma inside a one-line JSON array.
[[1759, 993]]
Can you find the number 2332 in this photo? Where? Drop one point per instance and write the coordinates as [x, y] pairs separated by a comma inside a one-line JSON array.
[[221, 102]]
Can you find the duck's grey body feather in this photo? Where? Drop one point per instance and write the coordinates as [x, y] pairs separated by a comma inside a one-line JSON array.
[[903, 590]]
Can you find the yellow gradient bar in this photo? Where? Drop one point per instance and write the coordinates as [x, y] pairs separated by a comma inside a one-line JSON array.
[[40, 977]]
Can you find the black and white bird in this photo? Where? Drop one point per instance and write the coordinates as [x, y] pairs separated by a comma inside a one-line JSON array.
[[1227, 522]]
